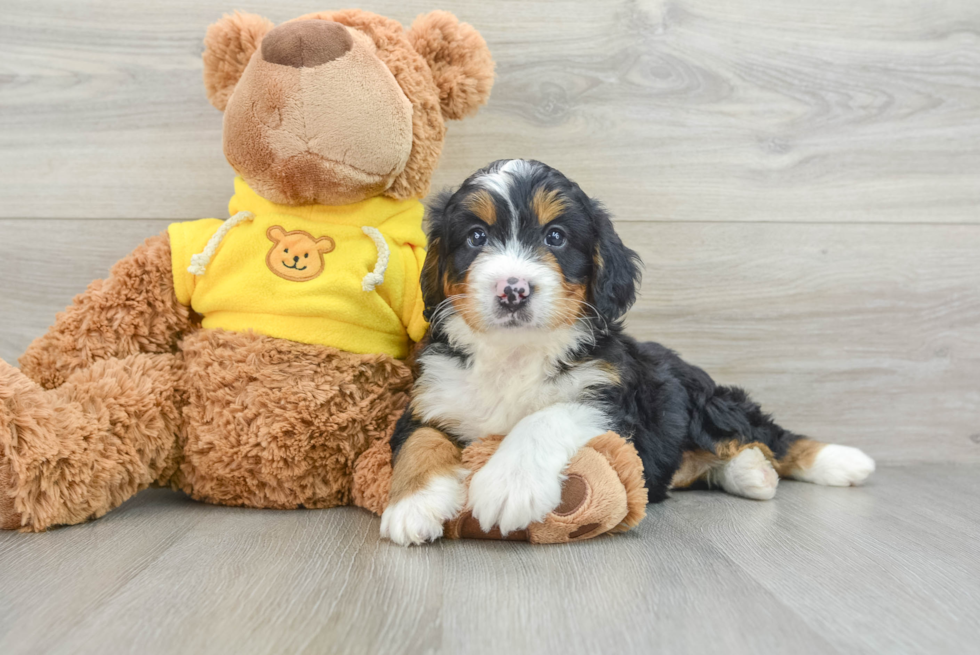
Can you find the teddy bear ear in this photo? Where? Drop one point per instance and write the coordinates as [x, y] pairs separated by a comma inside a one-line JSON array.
[[459, 58], [325, 244], [228, 46]]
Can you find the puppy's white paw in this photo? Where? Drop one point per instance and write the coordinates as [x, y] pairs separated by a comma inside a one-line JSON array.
[[419, 517], [512, 495], [838, 466], [749, 474]]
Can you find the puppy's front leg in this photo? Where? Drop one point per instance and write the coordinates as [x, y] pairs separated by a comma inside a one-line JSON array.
[[522, 481], [426, 488]]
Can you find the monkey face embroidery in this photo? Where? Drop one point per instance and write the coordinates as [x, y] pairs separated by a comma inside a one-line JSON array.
[[297, 255]]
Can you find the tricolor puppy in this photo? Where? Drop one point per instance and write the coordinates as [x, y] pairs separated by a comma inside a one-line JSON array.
[[525, 285]]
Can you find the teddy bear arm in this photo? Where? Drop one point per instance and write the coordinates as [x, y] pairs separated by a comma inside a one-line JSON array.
[[603, 492], [132, 311]]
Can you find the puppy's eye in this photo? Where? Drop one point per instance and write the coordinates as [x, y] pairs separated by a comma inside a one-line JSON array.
[[555, 238], [477, 237]]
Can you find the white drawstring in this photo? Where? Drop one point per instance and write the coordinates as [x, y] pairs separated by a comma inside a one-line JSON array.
[[377, 276], [200, 261]]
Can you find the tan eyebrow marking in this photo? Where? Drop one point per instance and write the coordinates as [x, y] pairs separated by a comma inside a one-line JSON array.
[[547, 205], [481, 203]]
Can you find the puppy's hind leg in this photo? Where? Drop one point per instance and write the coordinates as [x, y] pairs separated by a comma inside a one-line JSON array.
[[827, 464], [730, 411], [749, 473], [744, 470]]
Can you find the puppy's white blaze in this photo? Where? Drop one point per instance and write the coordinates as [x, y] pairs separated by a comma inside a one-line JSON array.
[[419, 518], [749, 474], [510, 375], [500, 181], [522, 481], [517, 167], [838, 466], [497, 182]]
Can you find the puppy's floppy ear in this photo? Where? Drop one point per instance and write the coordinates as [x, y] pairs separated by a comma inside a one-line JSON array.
[[616, 272], [228, 46], [460, 61], [434, 268]]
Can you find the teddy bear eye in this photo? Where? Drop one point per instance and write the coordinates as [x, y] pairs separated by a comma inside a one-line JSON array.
[[286, 250], [306, 255]]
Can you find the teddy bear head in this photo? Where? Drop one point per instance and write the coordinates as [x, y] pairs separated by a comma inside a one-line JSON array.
[[336, 107]]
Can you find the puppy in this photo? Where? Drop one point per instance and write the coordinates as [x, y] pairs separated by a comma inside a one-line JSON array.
[[525, 285]]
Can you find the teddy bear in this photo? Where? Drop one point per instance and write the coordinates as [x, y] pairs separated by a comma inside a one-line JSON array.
[[261, 360]]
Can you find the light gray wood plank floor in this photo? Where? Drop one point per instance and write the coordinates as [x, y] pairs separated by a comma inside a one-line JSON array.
[[893, 567]]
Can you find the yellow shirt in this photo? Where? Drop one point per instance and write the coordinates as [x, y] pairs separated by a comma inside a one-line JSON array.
[[298, 273]]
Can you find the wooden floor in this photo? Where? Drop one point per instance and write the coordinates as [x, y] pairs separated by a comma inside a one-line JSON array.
[[893, 567]]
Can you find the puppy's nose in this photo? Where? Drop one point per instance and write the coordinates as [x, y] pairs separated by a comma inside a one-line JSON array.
[[306, 43], [513, 292]]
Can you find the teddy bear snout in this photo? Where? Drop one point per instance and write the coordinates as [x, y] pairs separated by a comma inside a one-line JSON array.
[[306, 43]]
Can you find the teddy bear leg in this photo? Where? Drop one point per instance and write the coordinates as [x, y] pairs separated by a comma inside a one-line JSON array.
[[372, 477], [73, 453], [132, 311], [603, 492]]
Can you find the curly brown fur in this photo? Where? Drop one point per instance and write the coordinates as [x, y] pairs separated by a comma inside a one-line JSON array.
[[228, 46], [460, 60], [274, 423], [75, 452], [133, 311], [9, 516], [372, 477]]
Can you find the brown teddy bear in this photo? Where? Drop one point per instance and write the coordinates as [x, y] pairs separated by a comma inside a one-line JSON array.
[[252, 361]]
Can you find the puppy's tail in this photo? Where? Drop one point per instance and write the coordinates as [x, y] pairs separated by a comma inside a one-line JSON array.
[[728, 413]]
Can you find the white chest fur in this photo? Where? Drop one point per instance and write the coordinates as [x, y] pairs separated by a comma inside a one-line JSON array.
[[508, 376]]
